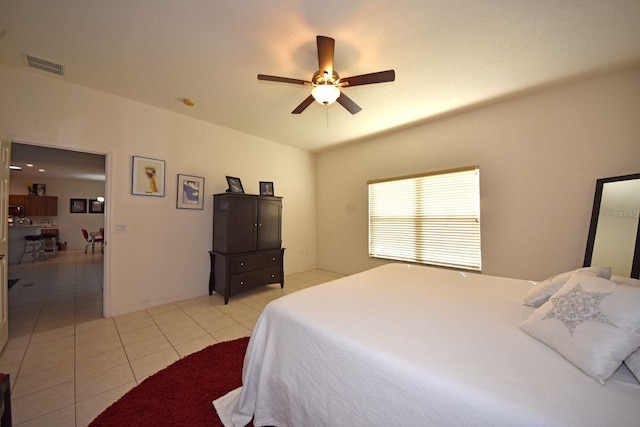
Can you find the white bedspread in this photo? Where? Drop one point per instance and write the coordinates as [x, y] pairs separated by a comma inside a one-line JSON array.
[[403, 345]]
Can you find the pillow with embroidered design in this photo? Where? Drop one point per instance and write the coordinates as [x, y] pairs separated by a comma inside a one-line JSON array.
[[542, 291], [633, 361], [593, 322], [629, 281]]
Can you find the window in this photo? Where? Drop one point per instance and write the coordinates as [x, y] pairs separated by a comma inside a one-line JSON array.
[[432, 218]]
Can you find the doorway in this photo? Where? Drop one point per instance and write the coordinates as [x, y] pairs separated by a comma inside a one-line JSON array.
[[69, 278]]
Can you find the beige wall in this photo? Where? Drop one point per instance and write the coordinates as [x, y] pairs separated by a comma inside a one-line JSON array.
[[539, 158], [163, 256]]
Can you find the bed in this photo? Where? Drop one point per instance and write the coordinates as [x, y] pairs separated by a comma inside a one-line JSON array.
[[408, 345]]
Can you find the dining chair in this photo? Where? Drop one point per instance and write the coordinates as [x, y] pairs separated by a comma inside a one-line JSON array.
[[85, 233], [92, 239]]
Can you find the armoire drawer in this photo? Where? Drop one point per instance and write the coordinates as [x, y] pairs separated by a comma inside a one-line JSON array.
[[238, 272], [243, 281], [255, 261]]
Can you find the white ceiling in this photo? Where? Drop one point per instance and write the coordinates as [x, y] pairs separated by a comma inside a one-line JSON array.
[[56, 163], [448, 55]]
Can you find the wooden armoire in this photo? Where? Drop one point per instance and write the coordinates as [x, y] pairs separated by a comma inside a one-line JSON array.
[[247, 240]]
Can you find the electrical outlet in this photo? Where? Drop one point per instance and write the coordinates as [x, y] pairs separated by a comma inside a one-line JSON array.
[[121, 228]]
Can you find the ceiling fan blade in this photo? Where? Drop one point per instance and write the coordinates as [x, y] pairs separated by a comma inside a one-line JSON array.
[[326, 46], [348, 103], [283, 80], [303, 105], [367, 79]]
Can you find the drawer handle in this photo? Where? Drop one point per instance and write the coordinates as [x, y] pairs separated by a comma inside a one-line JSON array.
[[241, 264], [273, 276], [273, 259], [241, 283]]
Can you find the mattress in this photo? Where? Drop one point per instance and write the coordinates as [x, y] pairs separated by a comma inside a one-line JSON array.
[[410, 345]]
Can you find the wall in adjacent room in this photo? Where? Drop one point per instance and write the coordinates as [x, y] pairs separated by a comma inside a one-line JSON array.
[[163, 255], [539, 156], [69, 224]]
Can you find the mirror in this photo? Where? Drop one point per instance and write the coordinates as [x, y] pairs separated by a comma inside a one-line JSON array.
[[614, 234]]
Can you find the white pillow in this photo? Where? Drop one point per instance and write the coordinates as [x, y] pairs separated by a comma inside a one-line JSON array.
[[542, 291], [633, 361], [593, 322], [627, 281]]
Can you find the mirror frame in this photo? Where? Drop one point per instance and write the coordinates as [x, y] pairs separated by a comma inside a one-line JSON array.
[[595, 213]]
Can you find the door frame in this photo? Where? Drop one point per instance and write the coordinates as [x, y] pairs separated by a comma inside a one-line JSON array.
[[106, 261], [5, 160]]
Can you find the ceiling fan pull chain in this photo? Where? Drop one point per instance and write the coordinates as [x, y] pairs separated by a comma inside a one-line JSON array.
[[326, 113]]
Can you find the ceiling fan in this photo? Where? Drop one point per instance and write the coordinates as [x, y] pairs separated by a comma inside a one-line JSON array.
[[326, 82]]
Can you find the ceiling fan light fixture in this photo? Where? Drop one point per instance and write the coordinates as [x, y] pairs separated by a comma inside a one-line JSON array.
[[327, 83], [325, 94]]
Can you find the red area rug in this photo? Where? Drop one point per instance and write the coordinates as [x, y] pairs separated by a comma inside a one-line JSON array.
[[181, 394]]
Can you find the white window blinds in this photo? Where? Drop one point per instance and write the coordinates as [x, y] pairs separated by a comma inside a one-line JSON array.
[[432, 218]]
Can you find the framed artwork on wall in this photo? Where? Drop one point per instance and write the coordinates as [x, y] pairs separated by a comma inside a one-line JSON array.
[[96, 206], [78, 206], [39, 189], [190, 192], [147, 177]]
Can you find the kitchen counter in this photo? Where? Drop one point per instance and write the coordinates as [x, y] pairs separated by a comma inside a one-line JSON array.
[[16, 240]]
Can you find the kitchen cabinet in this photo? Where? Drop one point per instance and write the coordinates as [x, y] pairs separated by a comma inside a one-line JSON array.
[[36, 205], [41, 206], [16, 199]]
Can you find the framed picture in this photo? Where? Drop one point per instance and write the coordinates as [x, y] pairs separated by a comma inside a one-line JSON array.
[[190, 192], [96, 206], [78, 206], [39, 189], [147, 178], [266, 188], [235, 185]]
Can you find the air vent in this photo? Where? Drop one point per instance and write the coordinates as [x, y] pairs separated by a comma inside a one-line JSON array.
[[44, 65]]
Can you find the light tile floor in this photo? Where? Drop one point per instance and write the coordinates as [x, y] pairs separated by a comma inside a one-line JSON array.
[[68, 363]]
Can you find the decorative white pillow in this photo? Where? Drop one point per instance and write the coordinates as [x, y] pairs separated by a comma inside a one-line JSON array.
[[633, 361], [593, 322], [627, 281], [542, 291]]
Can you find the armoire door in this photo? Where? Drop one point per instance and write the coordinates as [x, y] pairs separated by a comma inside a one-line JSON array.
[[243, 224], [269, 222]]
